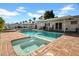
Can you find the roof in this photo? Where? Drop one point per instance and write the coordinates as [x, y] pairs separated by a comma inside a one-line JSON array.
[[59, 18]]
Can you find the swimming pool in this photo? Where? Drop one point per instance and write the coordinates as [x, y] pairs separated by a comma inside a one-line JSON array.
[[29, 33], [26, 46], [43, 34], [37, 40]]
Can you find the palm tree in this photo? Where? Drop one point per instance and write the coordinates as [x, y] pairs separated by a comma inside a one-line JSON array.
[[34, 19], [33, 22], [2, 22], [25, 21], [41, 17], [30, 20]]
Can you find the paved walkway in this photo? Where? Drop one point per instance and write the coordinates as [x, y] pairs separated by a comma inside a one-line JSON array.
[[65, 45]]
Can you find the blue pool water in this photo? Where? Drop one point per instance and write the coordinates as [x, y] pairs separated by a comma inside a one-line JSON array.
[[30, 33], [26, 46], [43, 34]]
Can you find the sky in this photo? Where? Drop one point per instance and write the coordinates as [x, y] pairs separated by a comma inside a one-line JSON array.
[[17, 12]]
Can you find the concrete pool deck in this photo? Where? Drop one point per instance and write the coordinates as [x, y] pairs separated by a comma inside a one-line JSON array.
[[64, 46], [6, 48]]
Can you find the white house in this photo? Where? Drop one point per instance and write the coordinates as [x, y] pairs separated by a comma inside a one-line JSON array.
[[66, 23], [15, 25]]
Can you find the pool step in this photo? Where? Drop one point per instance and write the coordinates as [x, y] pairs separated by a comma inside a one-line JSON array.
[[30, 48], [27, 51], [19, 51], [33, 48]]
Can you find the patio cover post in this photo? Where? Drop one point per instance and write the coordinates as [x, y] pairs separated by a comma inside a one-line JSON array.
[[64, 26]]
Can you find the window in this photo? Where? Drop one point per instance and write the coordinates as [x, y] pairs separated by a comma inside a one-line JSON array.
[[73, 22]]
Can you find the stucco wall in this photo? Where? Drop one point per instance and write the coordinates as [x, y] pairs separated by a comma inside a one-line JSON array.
[[71, 27], [40, 24]]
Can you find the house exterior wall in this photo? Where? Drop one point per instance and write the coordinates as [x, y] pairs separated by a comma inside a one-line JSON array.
[[40, 24], [72, 27], [12, 26], [66, 23], [53, 23]]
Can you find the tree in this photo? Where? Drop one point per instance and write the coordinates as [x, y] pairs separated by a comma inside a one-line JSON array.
[[41, 17], [26, 21], [33, 22], [2, 23], [34, 19], [30, 20], [49, 14], [23, 22]]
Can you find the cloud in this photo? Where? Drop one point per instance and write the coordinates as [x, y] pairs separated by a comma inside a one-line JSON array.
[[33, 15], [41, 11], [37, 14], [5, 13], [66, 9], [21, 9]]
